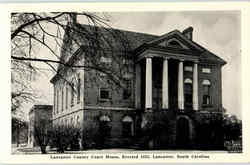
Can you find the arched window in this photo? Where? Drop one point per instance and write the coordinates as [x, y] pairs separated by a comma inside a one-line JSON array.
[[188, 92], [206, 85], [174, 44], [105, 118], [104, 126], [127, 126]]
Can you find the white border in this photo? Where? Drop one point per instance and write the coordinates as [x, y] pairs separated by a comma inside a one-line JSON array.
[[6, 9]]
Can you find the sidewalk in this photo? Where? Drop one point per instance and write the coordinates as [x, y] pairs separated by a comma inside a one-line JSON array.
[[36, 150]]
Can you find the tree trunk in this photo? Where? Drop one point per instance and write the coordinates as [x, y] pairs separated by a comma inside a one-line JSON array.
[[18, 135], [43, 149]]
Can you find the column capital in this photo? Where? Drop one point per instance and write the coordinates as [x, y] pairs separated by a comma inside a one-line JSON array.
[[196, 61], [166, 58], [149, 56], [181, 59]]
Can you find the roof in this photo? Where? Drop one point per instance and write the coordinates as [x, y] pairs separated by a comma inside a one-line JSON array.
[[139, 41], [41, 107]]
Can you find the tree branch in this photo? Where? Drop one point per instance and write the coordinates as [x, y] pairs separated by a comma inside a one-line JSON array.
[[21, 27]]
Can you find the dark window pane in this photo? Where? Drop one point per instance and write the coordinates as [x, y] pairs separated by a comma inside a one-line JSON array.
[[174, 44], [104, 94], [206, 89], [206, 99], [126, 129]]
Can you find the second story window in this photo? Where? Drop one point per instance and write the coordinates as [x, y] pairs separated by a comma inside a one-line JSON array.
[[104, 94], [188, 68], [72, 94], [206, 70], [206, 85], [78, 120], [67, 97], [127, 89], [188, 92]]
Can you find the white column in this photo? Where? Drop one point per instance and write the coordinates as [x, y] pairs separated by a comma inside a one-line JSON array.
[[165, 84], [195, 87], [148, 95], [180, 86], [138, 87]]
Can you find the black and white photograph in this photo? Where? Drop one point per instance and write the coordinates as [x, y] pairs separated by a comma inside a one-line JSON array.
[[126, 82]]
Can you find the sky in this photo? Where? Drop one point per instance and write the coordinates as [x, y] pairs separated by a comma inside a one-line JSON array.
[[218, 31]]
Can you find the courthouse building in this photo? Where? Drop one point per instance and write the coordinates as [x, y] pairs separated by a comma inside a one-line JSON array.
[[173, 97]]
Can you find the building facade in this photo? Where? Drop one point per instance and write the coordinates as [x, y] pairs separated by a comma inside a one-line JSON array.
[[39, 120], [172, 97]]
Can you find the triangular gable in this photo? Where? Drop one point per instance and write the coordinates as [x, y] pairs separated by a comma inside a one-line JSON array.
[[175, 38]]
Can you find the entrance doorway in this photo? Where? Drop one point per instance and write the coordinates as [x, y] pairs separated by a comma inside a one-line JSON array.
[[183, 133]]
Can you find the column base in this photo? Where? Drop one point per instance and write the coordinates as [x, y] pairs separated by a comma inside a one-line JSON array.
[[148, 109]]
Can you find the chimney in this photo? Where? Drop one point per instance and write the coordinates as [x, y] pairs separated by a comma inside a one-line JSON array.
[[73, 18], [188, 32]]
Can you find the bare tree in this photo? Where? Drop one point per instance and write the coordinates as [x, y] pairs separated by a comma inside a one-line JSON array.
[[31, 31], [43, 134]]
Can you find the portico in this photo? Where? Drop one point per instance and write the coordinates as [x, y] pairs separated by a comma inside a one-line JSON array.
[[170, 69]]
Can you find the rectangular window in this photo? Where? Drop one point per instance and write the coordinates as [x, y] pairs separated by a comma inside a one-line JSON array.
[[62, 98], [188, 94], [126, 129], [206, 70], [206, 100], [188, 68], [78, 89], [206, 95], [78, 120], [127, 90], [67, 93], [104, 94], [72, 95]]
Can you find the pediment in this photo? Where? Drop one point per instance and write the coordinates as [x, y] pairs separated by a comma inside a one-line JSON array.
[[175, 39], [174, 43]]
